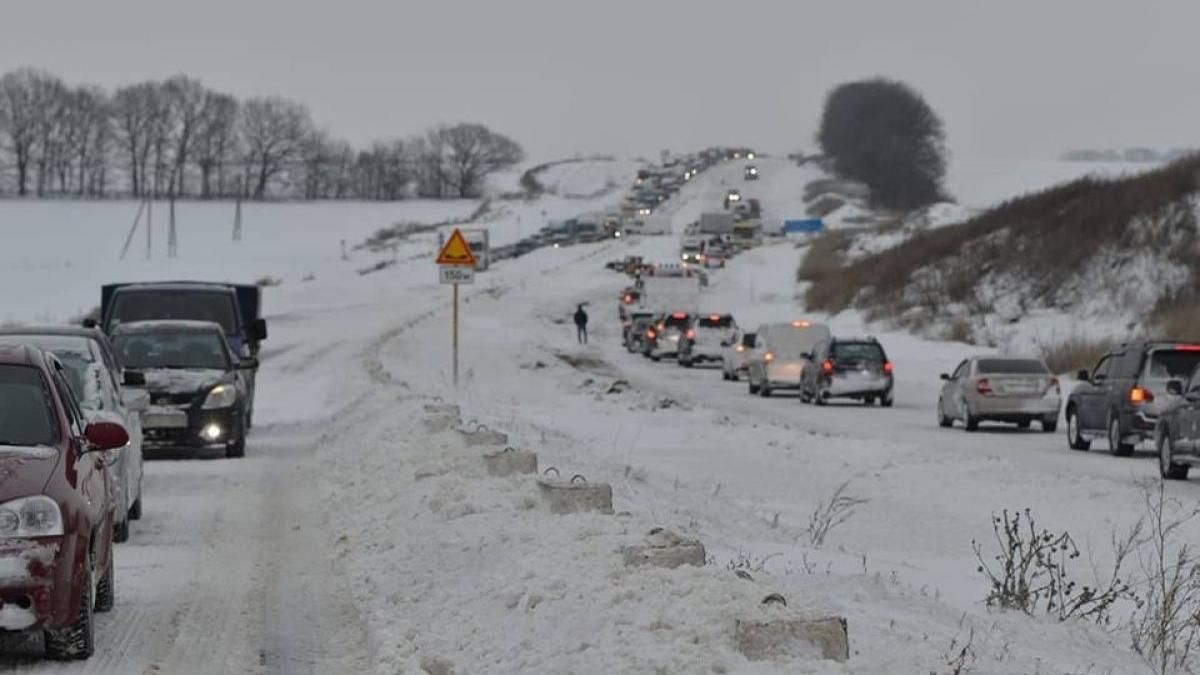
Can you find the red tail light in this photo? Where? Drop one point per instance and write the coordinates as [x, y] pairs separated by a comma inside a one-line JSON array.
[[691, 334], [827, 367], [1138, 396], [628, 299], [1053, 385], [1187, 348], [679, 315], [887, 367], [650, 334], [984, 387], [714, 317]]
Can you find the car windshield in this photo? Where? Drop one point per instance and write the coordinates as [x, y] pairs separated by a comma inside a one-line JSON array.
[[1167, 364], [133, 306], [172, 349], [1012, 367], [869, 352], [26, 416]]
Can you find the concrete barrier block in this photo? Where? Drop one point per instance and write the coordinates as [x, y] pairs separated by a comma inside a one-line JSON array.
[[663, 548], [575, 496], [790, 638], [483, 436], [509, 462]]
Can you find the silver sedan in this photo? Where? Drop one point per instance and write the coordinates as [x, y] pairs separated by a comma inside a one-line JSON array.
[[1016, 390]]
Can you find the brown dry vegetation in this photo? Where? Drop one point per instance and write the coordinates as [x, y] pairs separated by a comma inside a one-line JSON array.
[[1046, 238]]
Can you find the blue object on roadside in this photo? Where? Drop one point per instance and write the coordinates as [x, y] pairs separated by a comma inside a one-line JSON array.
[[804, 226]]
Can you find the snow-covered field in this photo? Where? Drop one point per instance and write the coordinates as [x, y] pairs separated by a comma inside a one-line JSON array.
[[354, 538]]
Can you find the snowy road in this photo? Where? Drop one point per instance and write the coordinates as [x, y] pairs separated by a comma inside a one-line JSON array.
[[226, 573]]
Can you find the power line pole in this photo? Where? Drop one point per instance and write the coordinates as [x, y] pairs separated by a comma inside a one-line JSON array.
[[149, 227], [172, 241], [237, 211]]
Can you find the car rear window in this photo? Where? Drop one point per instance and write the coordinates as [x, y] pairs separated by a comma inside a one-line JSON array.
[[1012, 367], [715, 321], [676, 320], [858, 351], [1166, 364], [25, 410]]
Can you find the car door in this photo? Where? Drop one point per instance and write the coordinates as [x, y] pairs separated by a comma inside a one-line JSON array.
[[819, 354], [1186, 427], [756, 372], [91, 478], [1093, 396], [952, 390]]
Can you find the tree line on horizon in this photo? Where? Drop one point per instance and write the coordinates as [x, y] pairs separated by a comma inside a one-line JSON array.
[[179, 138]]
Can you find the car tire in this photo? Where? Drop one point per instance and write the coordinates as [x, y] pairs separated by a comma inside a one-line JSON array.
[[970, 423], [655, 359], [764, 390], [1075, 439], [887, 400], [868, 400], [238, 447], [1115, 445], [734, 377], [943, 421], [77, 640], [686, 363], [1169, 470], [135, 511], [819, 398], [121, 530], [1050, 424], [106, 590], [1024, 424], [750, 382], [724, 375]]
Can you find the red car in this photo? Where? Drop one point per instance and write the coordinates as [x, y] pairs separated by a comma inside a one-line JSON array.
[[56, 507]]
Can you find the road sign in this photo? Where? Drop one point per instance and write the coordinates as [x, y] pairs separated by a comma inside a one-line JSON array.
[[456, 274], [456, 251]]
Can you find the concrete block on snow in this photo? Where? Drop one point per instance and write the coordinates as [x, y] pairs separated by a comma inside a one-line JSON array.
[[811, 638], [510, 461], [575, 496], [483, 436], [664, 548]]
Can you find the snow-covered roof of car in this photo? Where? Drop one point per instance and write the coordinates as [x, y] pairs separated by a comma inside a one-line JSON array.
[[171, 324]]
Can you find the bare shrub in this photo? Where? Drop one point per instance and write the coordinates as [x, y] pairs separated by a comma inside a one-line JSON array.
[[1166, 627], [831, 513], [1074, 353], [1178, 318], [1032, 571]]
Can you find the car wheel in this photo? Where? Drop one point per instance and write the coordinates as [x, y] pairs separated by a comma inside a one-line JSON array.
[[135, 511], [970, 423], [724, 375], [943, 421], [819, 398], [1024, 424], [765, 390], [686, 363], [238, 447], [121, 530], [655, 359], [1075, 439], [1169, 470], [1050, 424], [734, 377], [77, 640], [1115, 445], [868, 400], [887, 400], [106, 591], [750, 382]]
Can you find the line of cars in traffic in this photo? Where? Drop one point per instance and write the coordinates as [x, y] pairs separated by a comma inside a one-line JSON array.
[[165, 367], [1141, 391]]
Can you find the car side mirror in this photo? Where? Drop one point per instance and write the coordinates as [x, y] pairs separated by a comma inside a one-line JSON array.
[[90, 323], [134, 378], [807, 356], [1082, 376], [945, 376], [105, 436], [258, 329], [1175, 387], [248, 363]]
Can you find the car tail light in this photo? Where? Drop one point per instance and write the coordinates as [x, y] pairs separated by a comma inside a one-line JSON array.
[[714, 317], [691, 334], [628, 299], [827, 367], [650, 334], [1187, 348], [984, 387], [679, 315], [1139, 395], [740, 348], [768, 357], [887, 367], [1053, 386], [801, 324]]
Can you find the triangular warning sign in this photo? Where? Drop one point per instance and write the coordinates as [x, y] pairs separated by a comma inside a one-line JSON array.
[[456, 251]]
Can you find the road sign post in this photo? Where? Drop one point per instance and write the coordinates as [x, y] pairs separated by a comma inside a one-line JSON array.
[[456, 265]]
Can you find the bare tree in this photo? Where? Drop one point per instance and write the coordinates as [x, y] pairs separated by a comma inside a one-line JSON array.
[[22, 107], [187, 99], [473, 153], [134, 120], [216, 139], [273, 130]]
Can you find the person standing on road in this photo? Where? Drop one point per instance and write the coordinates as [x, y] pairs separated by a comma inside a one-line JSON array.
[[581, 319]]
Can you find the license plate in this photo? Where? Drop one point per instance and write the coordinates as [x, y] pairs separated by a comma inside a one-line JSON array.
[[165, 420]]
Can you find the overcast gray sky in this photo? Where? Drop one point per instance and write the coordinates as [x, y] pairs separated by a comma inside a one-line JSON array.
[[1019, 78]]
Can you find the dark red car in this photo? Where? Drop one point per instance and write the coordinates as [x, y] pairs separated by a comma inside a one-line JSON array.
[[56, 514]]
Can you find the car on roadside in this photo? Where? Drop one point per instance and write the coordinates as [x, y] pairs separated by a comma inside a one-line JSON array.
[[781, 353], [199, 395], [704, 340], [105, 392], [635, 335], [750, 172], [1010, 389], [735, 355], [854, 368], [56, 514], [1177, 433], [630, 323], [664, 338], [732, 197], [1121, 397]]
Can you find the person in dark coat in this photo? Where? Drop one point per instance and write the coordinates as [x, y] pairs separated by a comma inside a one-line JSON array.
[[581, 319]]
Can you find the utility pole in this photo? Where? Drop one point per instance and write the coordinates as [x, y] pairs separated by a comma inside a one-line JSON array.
[[237, 210], [149, 226], [172, 241]]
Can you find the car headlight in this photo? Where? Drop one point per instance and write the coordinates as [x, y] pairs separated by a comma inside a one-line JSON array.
[[221, 396], [36, 516]]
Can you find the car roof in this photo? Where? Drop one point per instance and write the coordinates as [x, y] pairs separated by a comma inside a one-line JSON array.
[[1006, 357], [135, 327], [59, 331], [213, 286], [21, 355]]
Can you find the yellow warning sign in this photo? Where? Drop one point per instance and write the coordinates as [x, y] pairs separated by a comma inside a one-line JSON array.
[[456, 251]]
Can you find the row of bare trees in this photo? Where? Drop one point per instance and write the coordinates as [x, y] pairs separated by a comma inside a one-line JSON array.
[[179, 138]]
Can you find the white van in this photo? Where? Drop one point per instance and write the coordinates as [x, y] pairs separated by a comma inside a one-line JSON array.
[[780, 355]]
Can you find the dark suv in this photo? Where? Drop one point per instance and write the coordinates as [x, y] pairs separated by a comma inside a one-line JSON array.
[[849, 368], [1121, 398]]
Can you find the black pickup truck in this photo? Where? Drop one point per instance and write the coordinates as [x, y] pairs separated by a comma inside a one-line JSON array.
[[237, 308]]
